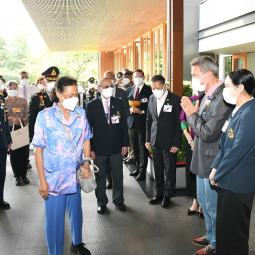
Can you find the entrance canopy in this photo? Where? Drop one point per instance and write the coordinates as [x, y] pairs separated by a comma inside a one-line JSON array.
[[94, 25]]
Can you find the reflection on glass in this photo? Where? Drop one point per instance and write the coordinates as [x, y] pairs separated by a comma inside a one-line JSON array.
[[240, 63]]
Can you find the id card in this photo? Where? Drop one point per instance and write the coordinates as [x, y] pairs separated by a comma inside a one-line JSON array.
[[17, 109], [167, 108], [144, 100], [115, 120], [225, 126]]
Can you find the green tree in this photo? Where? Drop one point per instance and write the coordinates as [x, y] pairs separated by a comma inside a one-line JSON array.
[[4, 55]]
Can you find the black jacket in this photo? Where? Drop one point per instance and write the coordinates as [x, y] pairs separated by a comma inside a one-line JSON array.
[[38, 102], [121, 94], [165, 128], [136, 120], [108, 139]]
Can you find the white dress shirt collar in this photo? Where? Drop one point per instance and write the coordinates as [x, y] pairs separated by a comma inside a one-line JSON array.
[[160, 102]]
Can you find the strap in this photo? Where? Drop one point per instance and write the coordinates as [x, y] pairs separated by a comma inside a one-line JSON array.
[[75, 146], [20, 124]]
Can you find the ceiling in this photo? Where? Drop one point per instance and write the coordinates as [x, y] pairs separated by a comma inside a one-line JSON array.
[[94, 25]]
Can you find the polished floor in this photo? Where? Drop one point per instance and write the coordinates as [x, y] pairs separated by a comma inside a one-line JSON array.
[[142, 229]]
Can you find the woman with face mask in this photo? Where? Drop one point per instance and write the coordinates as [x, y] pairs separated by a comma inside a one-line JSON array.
[[40, 84], [18, 111], [57, 161], [233, 170], [190, 177]]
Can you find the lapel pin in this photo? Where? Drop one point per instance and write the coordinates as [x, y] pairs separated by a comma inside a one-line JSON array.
[[113, 106]]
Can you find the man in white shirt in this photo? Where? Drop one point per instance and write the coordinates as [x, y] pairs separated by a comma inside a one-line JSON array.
[[25, 89]]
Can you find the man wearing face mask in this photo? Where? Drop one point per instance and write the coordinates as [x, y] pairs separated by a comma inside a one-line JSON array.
[[137, 122], [41, 100], [163, 134], [107, 119], [126, 80], [25, 89], [121, 94], [207, 122]]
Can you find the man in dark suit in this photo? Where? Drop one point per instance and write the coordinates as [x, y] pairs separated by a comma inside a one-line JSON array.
[[137, 122], [5, 145], [121, 94], [107, 119], [163, 134]]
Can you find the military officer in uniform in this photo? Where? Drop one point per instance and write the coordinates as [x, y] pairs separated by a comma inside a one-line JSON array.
[[5, 145], [90, 91], [41, 100]]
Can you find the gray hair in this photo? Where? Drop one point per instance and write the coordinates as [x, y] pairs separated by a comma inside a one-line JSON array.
[[206, 64], [109, 72], [10, 83], [100, 81]]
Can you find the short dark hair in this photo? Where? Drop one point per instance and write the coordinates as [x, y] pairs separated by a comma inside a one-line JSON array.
[[10, 83], [206, 64], [139, 71], [60, 85], [2, 79], [21, 72], [245, 77], [159, 78]]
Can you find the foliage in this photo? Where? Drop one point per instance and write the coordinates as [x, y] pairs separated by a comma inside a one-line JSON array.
[[17, 55], [187, 91]]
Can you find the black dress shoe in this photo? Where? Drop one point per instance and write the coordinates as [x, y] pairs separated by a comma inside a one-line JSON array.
[[25, 180], [109, 184], [166, 202], [101, 209], [155, 200], [141, 177], [134, 173], [4, 205], [79, 249], [29, 166], [121, 206], [17, 181], [129, 161]]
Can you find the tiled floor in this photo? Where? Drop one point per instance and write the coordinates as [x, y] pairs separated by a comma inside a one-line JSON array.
[[142, 229]]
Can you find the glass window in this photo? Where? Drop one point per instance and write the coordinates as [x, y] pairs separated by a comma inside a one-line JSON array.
[[155, 58], [240, 63], [138, 54], [161, 55], [228, 65], [148, 73], [251, 62]]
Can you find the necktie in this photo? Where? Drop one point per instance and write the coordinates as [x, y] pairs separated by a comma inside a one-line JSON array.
[[107, 111], [137, 94], [25, 92]]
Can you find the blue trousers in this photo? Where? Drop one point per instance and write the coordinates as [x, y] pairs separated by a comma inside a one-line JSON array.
[[55, 208], [207, 197]]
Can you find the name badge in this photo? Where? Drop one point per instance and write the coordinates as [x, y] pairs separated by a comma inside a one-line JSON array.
[[115, 120], [225, 126], [17, 109], [144, 100], [167, 108]]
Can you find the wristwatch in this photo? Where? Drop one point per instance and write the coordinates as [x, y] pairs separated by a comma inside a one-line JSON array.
[[190, 141]]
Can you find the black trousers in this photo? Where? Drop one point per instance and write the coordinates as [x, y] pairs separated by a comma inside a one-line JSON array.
[[3, 156], [141, 153], [116, 164], [165, 170], [18, 160], [233, 222], [191, 183]]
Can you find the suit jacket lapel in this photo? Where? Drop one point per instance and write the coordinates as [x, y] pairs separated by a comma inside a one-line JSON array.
[[132, 93], [213, 95], [100, 108], [142, 93]]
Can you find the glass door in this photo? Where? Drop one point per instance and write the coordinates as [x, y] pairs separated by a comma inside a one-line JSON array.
[[239, 61]]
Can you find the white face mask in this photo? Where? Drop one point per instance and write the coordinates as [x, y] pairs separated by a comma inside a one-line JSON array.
[[138, 81], [126, 80], [107, 93], [40, 86], [158, 93], [197, 86], [12, 93], [1, 85], [227, 97], [50, 86], [91, 85], [24, 82], [70, 103]]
